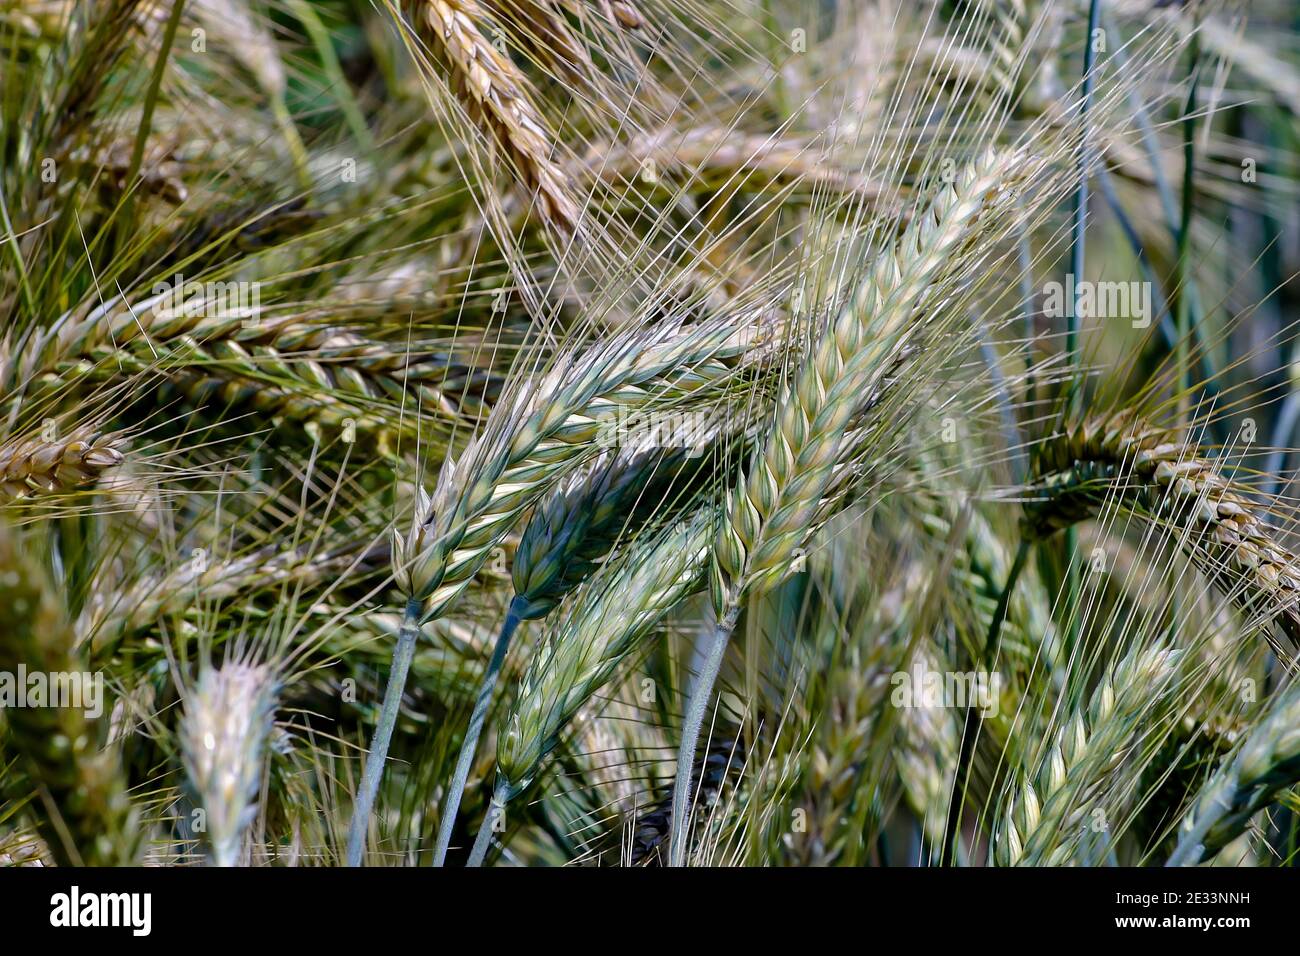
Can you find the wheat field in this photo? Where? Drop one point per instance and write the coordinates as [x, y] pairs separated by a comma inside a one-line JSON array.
[[647, 433]]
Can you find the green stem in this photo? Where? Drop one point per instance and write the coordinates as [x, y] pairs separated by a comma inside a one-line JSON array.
[[378, 756], [1181, 291], [151, 96], [484, 838], [691, 724], [466, 757], [329, 61], [1078, 243], [1191, 847], [992, 642]]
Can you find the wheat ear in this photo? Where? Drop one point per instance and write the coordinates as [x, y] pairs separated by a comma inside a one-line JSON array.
[[776, 504], [1267, 763], [540, 435], [771, 507], [82, 810], [493, 90], [34, 466], [530, 442], [111, 620], [925, 754], [607, 620], [1075, 778], [284, 366], [1169, 480], [223, 734], [568, 532]]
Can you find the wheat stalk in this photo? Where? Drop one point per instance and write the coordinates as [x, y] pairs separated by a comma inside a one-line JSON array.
[[1267, 763], [223, 735]]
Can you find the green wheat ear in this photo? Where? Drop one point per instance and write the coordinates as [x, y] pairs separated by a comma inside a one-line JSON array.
[[82, 811]]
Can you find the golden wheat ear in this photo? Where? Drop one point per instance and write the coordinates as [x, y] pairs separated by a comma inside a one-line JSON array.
[[495, 94], [35, 466], [1123, 460]]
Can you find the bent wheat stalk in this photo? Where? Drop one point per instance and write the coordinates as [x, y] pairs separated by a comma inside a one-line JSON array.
[[1267, 763], [403, 654]]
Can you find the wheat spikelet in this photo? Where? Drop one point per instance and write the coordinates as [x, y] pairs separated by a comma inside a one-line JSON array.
[[576, 525], [1267, 763], [204, 579], [1074, 787], [533, 440], [772, 508], [608, 619], [82, 811], [223, 734], [1167, 479], [290, 369], [625, 14], [926, 751], [495, 95], [34, 466]]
